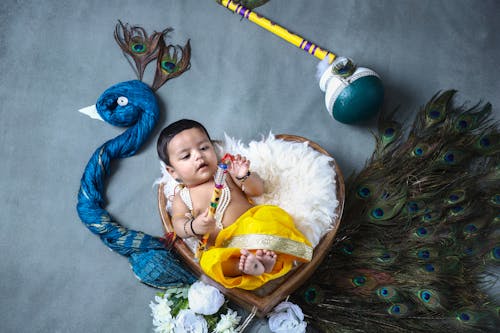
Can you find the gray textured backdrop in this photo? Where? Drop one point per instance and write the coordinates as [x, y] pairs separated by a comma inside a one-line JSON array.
[[57, 57]]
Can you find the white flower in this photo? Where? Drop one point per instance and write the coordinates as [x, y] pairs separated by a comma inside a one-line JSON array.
[[161, 309], [165, 326], [228, 322], [287, 317], [189, 322], [204, 299], [162, 316]]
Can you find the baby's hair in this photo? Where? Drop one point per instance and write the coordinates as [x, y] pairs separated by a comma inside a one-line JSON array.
[[168, 133]]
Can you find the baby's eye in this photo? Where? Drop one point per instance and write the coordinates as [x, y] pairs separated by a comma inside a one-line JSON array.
[[204, 148], [185, 157]]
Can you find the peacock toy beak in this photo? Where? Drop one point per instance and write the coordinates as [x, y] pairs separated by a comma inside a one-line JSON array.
[[91, 111]]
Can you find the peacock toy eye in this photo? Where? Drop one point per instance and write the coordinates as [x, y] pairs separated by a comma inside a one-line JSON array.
[[122, 101]]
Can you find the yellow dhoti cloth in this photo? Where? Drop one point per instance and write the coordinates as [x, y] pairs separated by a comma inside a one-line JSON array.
[[261, 227]]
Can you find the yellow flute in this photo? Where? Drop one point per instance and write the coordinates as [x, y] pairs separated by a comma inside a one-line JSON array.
[[278, 30]]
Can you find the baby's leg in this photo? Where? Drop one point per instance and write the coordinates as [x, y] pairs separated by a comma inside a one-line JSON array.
[[267, 258], [250, 264]]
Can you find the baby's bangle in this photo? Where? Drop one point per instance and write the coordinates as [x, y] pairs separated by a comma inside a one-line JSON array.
[[190, 220], [192, 229], [242, 179]]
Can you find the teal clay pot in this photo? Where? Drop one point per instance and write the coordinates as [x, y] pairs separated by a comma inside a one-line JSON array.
[[351, 94]]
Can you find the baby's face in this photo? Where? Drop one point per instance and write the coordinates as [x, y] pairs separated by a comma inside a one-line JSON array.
[[192, 157]]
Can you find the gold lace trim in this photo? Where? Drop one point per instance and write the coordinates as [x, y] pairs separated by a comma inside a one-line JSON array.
[[271, 242]]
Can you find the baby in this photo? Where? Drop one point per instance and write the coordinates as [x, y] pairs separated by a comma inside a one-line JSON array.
[[243, 238]]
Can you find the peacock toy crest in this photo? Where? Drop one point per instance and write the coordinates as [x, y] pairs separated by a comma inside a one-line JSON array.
[[133, 104]]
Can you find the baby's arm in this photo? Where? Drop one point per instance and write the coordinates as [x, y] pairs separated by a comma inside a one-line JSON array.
[[249, 182], [184, 223]]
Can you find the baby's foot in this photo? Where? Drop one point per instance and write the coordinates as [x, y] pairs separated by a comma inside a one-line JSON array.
[[267, 258], [250, 264]]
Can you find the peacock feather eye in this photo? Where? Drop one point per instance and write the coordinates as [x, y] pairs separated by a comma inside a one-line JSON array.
[[449, 157], [488, 143], [430, 268], [387, 293], [469, 316], [377, 213], [422, 232], [455, 197], [424, 254], [138, 47], [359, 281], [464, 317], [428, 297], [457, 209], [348, 249], [363, 192], [385, 257], [169, 66], [430, 216], [470, 228], [495, 253], [398, 310], [389, 132], [313, 294], [452, 157], [413, 207], [434, 114], [418, 151], [464, 123], [485, 142], [469, 250]]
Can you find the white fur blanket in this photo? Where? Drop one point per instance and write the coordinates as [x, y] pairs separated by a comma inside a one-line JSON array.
[[297, 178]]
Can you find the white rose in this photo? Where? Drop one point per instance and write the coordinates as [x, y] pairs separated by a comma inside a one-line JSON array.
[[287, 317], [204, 299], [189, 322]]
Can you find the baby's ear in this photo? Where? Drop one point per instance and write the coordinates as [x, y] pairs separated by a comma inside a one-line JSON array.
[[172, 173]]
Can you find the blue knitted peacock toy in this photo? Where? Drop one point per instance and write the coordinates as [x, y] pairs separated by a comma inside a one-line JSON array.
[[133, 104]]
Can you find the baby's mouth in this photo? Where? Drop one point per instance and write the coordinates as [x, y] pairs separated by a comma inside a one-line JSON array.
[[203, 165]]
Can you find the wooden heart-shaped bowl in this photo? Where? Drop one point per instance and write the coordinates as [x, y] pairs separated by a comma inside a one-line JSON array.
[[265, 298]]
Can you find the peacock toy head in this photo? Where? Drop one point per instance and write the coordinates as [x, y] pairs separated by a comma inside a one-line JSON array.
[[125, 103]]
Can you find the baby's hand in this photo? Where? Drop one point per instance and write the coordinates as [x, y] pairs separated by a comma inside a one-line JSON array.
[[203, 223], [239, 166]]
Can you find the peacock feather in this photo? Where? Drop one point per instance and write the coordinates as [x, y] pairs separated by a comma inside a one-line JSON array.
[[420, 239]]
